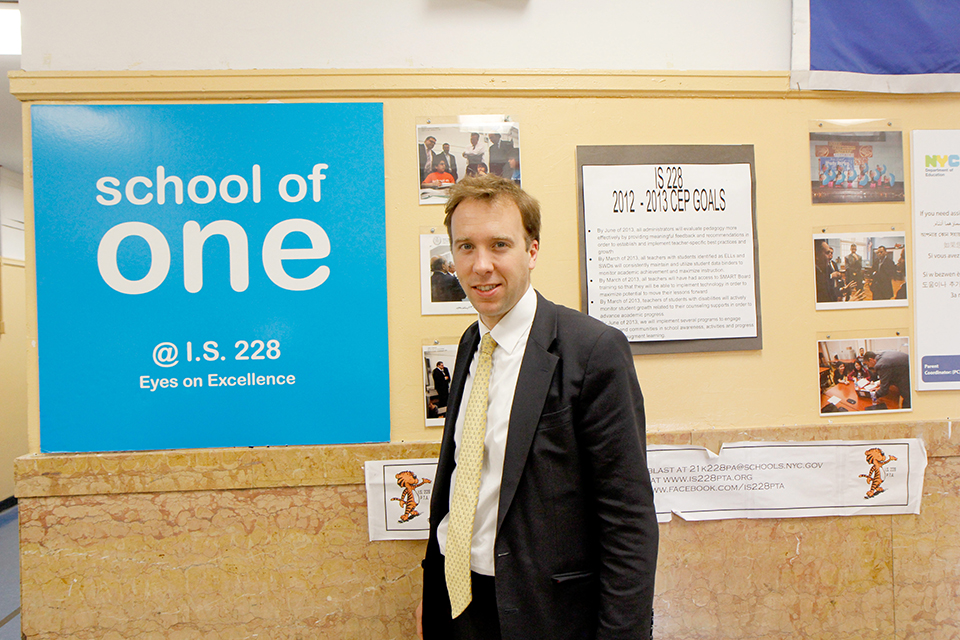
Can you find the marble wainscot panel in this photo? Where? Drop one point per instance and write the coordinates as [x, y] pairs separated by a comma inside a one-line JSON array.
[[273, 543], [219, 543]]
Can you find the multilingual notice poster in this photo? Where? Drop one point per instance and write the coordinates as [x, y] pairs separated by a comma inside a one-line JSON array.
[[936, 233], [669, 245], [210, 275]]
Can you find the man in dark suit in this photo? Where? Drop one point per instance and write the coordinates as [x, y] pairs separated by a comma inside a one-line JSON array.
[[883, 274], [426, 157], [451, 161], [853, 267], [561, 532], [444, 287], [500, 152], [441, 382], [828, 276]]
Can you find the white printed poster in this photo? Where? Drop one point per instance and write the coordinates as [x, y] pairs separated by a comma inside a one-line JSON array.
[[398, 498], [936, 232], [670, 250], [787, 479]]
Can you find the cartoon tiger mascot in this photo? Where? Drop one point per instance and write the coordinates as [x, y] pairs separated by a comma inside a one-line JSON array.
[[409, 498], [876, 459]]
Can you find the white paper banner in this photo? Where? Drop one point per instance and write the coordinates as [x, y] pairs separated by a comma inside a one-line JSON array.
[[788, 479], [398, 498]]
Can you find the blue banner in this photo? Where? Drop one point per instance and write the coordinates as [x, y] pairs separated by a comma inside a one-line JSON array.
[[210, 275], [896, 46]]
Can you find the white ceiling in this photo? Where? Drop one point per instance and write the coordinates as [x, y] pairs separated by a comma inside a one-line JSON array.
[[11, 125]]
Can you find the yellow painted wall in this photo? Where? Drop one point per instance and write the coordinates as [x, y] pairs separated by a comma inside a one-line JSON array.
[[13, 373], [775, 386]]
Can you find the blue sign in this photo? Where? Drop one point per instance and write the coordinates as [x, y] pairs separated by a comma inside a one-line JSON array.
[[210, 275], [940, 368]]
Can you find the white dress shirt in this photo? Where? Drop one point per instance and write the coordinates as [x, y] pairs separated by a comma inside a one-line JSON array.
[[511, 334], [474, 153]]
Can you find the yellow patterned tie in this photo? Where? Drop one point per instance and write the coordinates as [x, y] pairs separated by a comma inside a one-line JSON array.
[[463, 508]]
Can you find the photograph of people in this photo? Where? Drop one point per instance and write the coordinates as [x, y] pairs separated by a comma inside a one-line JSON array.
[[438, 361], [870, 374], [856, 166], [475, 145], [860, 270], [440, 289]]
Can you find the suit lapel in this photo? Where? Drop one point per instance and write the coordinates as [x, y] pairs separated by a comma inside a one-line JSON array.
[[533, 385]]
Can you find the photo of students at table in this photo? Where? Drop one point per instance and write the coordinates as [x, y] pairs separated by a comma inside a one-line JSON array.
[[864, 375]]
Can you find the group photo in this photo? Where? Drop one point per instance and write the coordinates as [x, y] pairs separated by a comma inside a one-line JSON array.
[[860, 270], [447, 153], [855, 167]]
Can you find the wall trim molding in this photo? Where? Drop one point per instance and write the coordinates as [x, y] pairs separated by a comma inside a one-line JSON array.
[[311, 84]]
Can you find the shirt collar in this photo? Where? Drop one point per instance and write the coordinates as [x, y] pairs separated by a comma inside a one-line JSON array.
[[515, 325]]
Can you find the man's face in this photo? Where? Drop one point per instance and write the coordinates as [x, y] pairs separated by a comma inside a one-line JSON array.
[[853, 249], [474, 138], [881, 252], [494, 138], [827, 251], [429, 142], [491, 256], [439, 365], [446, 147]]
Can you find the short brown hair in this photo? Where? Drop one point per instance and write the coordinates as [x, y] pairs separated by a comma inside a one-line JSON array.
[[490, 188]]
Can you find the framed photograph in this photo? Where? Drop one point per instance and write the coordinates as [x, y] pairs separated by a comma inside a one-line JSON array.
[[856, 270], [447, 153], [867, 374], [438, 361], [440, 290], [856, 166]]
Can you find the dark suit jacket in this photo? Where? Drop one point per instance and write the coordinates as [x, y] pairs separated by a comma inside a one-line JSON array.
[[853, 266], [444, 287], [499, 154], [883, 275], [441, 382], [576, 546], [423, 151], [451, 164]]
